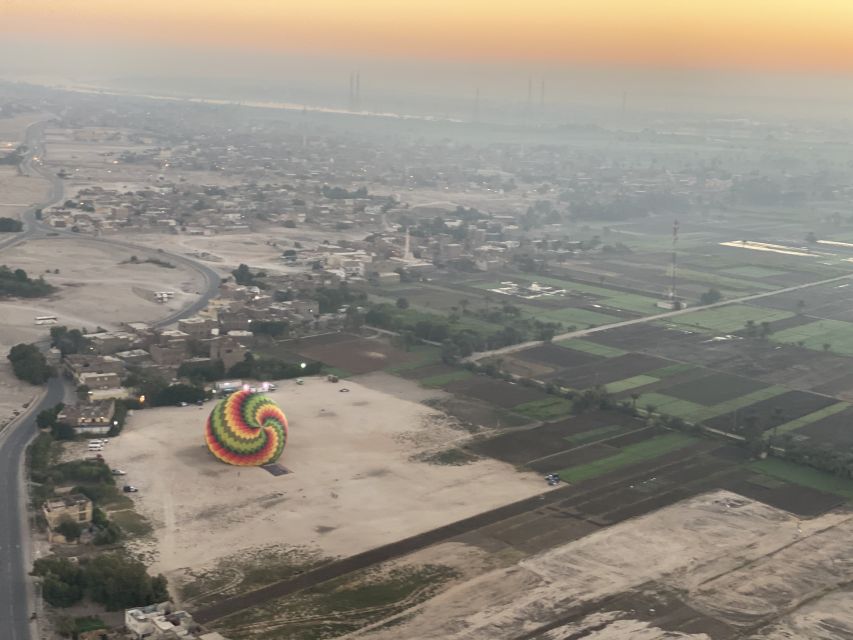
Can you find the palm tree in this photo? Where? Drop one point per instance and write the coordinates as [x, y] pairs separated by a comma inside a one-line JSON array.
[[634, 397]]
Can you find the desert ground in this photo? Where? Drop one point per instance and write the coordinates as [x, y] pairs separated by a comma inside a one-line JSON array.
[[93, 289], [713, 566], [18, 192], [259, 249], [354, 482]]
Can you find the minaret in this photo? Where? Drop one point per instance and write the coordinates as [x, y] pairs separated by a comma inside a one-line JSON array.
[[407, 248]]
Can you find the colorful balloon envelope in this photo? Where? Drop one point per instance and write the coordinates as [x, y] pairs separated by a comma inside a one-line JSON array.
[[246, 429]]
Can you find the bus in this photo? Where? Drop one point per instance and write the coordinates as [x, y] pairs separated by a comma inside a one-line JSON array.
[[46, 320]]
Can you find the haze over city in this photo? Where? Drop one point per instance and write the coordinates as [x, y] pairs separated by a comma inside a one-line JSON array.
[[726, 57], [464, 320]]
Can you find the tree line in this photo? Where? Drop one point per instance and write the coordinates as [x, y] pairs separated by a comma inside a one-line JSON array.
[[16, 282]]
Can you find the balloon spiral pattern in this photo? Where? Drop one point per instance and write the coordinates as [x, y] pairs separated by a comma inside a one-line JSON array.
[[246, 429]]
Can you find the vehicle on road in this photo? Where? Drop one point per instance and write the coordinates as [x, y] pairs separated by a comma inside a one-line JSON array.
[[118, 472], [343, 390], [129, 488]]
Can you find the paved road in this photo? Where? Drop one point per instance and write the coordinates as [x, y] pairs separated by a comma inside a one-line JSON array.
[[660, 316], [15, 602], [15, 606]]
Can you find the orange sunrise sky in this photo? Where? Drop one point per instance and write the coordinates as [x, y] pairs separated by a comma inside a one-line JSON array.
[[749, 34]]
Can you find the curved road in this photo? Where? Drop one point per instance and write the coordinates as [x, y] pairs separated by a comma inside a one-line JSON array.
[[15, 600]]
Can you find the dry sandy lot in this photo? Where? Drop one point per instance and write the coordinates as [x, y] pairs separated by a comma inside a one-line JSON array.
[[12, 129], [737, 561], [94, 288], [19, 192], [353, 484], [253, 248]]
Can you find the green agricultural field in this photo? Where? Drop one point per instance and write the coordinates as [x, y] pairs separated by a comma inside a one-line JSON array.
[[545, 409], [597, 434], [820, 414], [722, 282], [445, 378], [424, 355], [805, 476], [579, 344], [629, 383], [749, 271], [413, 314], [580, 318], [695, 413], [837, 334], [646, 450], [671, 370], [729, 318]]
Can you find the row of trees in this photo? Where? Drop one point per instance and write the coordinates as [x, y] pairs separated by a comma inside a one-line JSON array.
[[29, 364], [245, 276], [272, 369], [10, 225], [116, 581], [68, 341], [16, 282], [457, 341], [339, 193], [157, 391]]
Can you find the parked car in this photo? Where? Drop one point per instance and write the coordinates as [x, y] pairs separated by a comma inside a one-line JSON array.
[[129, 488], [119, 472], [343, 390]]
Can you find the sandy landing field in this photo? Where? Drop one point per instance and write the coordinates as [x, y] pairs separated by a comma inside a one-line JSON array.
[[353, 485], [738, 561]]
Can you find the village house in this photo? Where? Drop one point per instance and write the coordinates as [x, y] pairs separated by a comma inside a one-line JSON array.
[[74, 506], [89, 419]]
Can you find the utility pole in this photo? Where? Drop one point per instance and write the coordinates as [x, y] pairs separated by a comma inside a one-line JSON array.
[[673, 295]]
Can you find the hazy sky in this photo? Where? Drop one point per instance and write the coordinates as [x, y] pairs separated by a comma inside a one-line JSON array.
[[430, 46], [776, 34]]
